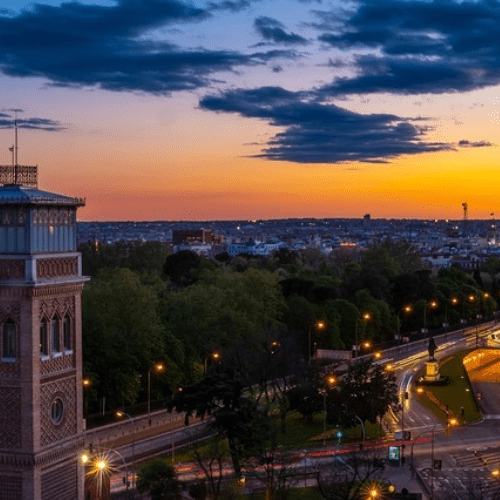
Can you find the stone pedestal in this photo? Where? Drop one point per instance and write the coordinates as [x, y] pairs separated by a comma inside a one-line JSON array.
[[432, 371]]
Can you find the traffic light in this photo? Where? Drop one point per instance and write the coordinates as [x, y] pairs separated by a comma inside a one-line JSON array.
[[438, 464]]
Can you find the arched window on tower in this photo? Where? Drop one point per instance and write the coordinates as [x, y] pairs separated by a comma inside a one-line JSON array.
[[9, 340], [55, 342], [67, 333], [44, 338]]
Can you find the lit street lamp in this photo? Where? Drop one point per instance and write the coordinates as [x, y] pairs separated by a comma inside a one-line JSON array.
[[330, 381], [99, 468], [367, 317], [158, 367], [318, 325], [473, 298], [432, 304], [121, 414], [215, 356]]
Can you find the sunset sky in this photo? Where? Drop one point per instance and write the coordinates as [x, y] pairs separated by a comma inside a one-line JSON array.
[[235, 109]]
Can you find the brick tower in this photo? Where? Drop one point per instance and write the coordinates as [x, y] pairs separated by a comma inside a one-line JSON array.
[[41, 418]]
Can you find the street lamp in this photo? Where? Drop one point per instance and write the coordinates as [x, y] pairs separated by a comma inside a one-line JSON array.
[[159, 368], [121, 414], [473, 298], [98, 463], [432, 457], [215, 356], [319, 325], [432, 304], [330, 381], [365, 316]]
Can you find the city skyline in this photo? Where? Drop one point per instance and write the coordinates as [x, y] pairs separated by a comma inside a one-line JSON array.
[[243, 109]]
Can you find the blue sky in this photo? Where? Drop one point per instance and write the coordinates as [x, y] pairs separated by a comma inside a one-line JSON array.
[[220, 100]]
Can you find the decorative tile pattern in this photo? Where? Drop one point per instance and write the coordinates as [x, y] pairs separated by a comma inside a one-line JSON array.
[[13, 217], [11, 268], [11, 488], [58, 364], [65, 389], [60, 483], [51, 268], [10, 418]]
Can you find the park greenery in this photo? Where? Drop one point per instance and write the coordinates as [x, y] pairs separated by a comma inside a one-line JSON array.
[[455, 399], [199, 315]]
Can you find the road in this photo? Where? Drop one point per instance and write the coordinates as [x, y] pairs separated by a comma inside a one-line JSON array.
[[469, 455]]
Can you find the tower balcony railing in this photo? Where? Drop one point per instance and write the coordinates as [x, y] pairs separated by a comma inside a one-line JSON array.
[[24, 175]]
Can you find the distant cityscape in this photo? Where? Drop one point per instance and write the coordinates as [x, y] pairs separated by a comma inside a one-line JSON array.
[[441, 243]]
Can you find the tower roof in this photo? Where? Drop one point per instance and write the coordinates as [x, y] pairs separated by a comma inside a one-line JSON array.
[[19, 186], [15, 194]]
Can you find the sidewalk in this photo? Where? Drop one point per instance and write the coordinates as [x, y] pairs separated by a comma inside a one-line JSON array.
[[401, 477]]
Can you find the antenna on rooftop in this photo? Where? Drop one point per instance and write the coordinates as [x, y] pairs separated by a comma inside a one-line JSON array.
[[16, 148]]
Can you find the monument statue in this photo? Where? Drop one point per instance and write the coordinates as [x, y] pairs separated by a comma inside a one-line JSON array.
[[431, 348]]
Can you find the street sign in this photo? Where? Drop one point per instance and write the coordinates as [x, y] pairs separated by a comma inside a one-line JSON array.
[[403, 435], [394, 453]]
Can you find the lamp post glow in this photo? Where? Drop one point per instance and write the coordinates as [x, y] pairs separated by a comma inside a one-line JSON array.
[[432, 304], [158, 367], [123, 414], [473, 298], [330, 380], [99, 468], [319, 325], [366, 316]]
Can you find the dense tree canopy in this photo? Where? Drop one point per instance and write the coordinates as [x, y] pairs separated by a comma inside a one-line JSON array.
[[144, 305], [123, 335]]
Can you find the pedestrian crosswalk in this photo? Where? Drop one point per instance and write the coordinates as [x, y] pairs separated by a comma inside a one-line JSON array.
[[489, 458], [461, 485], [470, 479]]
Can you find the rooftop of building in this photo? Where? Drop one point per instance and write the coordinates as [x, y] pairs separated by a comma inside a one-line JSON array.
[[19, 185]]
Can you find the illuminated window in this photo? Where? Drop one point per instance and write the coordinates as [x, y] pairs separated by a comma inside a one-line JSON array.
[[9, 340]]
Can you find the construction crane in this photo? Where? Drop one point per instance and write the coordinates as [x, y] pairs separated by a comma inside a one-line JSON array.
[[465, 206]]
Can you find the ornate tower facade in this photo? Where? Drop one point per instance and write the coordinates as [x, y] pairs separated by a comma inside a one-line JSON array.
[[41, 416]]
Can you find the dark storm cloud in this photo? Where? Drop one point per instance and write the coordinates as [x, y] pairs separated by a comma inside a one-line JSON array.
[[7, 122], [234, 6], [321, 133], [273, 31], [421, 46], [479, 144], [93, 45]]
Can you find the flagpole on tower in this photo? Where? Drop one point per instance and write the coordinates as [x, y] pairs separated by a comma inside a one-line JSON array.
[[15, 148]]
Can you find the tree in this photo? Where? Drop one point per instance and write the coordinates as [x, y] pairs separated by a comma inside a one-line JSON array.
[[138, 256], [222, 307], [210, 457], [348, 476], [367, 391], [221, 395], [158, 478], [492, 268], [123, 335], [179, 267]]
